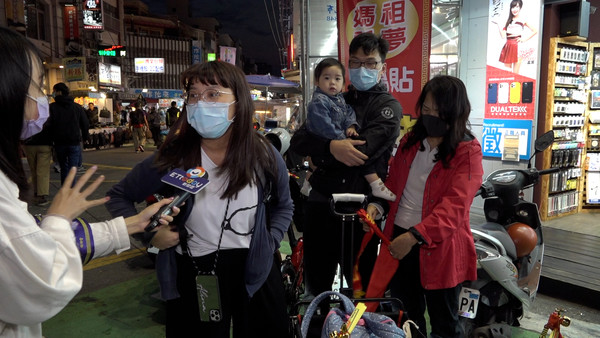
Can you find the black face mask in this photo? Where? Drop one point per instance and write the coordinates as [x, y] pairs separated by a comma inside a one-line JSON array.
[[435, 126]]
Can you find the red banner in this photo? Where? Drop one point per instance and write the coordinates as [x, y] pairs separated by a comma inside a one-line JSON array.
[[70, 23], [406, 25]]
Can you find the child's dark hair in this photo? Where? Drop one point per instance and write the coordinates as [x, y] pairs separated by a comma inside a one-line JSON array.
[[326, 63]]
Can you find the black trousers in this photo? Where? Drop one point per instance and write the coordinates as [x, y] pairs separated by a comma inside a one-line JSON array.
[[442, 305], [263, 315], [322, 248]]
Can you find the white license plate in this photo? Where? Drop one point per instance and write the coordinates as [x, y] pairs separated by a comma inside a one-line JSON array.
[[467, 302]]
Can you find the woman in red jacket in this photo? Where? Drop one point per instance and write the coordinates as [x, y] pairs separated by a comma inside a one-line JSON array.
[[435, 174]]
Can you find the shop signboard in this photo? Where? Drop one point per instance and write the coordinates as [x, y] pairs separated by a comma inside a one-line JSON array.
[[149, 65], [71, 30], [74, 68], [159, 93], [227, 54], [512, 59], [506, 139], [109, 74], [196, 51], [92, 14], [406, 25]]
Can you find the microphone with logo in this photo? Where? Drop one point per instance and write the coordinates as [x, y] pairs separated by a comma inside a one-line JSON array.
[[190, 182]]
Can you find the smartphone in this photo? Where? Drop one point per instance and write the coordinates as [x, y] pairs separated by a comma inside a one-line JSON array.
[[527, 92], [503, 92], [515, 92], [492, 93]]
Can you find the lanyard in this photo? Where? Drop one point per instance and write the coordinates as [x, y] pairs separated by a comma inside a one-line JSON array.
[[225, 225]]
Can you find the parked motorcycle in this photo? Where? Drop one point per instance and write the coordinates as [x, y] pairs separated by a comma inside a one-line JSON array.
[[510, 250]]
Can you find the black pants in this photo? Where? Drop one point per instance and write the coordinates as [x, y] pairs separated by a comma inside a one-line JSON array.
[[442, 305], [322, 247], [263, 315]]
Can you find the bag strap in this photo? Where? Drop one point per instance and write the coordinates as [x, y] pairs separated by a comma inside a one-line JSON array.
[[312, 307]]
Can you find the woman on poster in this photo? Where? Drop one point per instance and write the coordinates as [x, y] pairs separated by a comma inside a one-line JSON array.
[[513, 33]]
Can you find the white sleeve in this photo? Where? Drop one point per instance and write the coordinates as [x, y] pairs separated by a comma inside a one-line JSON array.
[[110, 237], [40, 268]]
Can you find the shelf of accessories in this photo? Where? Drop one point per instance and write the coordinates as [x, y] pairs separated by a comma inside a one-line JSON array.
[[566, 115], [591, 184]]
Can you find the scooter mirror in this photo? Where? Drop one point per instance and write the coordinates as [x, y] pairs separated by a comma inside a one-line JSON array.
[[544, 141]]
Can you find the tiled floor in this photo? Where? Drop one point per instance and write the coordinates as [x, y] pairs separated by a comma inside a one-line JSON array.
[[583, 222]]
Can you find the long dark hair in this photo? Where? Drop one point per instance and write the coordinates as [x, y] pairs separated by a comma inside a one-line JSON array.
[[450, 97], [513, 3], [247, 151], [18, 56]]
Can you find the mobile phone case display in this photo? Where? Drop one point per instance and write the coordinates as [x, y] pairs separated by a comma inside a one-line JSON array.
[[592, 161], [567, 113]]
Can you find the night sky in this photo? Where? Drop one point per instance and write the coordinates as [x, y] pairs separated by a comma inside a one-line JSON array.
[[243, 20]]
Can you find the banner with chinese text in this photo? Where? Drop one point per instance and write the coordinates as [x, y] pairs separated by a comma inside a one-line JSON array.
[[512, 59], [406, 25], [74, 69]]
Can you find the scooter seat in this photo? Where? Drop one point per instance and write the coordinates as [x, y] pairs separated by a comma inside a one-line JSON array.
[[499, 232]]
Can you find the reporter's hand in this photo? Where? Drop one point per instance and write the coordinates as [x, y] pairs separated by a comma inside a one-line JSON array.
[[71, 202], [165, 237], [138, 222], [345, 152]]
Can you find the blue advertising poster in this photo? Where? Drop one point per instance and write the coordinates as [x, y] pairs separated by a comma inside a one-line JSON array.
[[496, 133]]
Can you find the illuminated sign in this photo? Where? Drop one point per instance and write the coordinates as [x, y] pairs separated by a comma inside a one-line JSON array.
[[112, 51], [92, 14], [109, 74], [149, 65], [211, 56]]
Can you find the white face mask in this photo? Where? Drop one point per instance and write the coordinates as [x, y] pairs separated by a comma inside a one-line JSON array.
[[32, 127]]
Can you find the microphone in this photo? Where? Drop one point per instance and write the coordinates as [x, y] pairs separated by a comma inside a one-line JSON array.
[[190, 182]]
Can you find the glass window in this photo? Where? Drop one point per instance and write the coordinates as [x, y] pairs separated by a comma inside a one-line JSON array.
[[35, 12], [444, 38]]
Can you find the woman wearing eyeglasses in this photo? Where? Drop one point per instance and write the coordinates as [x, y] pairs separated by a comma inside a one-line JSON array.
[[226, 234]]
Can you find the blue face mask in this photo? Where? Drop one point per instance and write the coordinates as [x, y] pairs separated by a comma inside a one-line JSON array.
[[363, 78], [210, 120]]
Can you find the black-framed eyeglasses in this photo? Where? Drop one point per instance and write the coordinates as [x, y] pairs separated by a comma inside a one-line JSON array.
[[208, 95], [369, 64]]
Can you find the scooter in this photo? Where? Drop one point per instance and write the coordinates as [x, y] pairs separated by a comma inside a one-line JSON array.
[[510, 250]]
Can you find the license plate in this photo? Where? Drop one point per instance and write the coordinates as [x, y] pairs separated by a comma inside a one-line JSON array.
[[467, 303]]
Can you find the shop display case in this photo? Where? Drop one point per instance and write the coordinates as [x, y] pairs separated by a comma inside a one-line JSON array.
[[568, 106]]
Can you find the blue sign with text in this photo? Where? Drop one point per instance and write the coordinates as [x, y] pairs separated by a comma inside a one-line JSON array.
[[494, 132]]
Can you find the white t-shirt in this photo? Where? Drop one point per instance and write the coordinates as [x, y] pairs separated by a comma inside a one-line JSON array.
[[208, 213], [410, 208]]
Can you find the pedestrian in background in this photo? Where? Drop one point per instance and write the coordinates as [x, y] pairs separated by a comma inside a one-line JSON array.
[[154, 120], [172, 114], [38, 149], [68, 125], [229, 231], [138, 124], [435, 173], [41, 266], [92, 114]]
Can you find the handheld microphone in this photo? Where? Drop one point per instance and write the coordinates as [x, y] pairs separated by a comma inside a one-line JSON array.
[[190, 182]]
